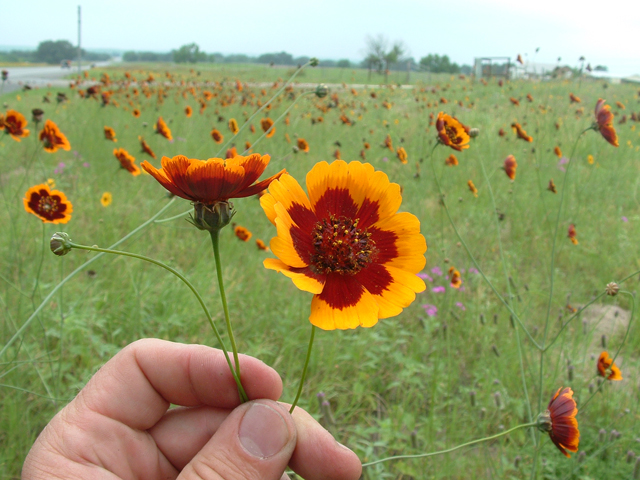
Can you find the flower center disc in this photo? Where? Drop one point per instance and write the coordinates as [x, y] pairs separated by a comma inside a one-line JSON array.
[[341, 247], [47, 204]]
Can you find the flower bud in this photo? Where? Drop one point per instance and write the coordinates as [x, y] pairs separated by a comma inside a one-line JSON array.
[[60, 243], [612, 289], [474, 132], [322, 90], [313, 61], [212, 217]]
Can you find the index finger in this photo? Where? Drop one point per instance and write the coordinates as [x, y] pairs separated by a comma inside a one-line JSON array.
[[137, 386]]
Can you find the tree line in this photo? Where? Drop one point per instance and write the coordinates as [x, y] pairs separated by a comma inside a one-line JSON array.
[[52, 52]]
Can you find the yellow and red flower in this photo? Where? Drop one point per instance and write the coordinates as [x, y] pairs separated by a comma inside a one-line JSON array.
[[217, 136], [401, 153], [127, 161], [557, 151], [266, 124], [110, 134], [146, 148], [213, 180], [242, 233], [346, 243], [521, 132], [451, 132], [50, 206], [604, 122], [52, 138], [303, 145], [162, 129], [188, 111], [454, 278], [560, 421], [572, 234], [451, 160], [510, 166], [233, 126], [13, 124], [608, 369]]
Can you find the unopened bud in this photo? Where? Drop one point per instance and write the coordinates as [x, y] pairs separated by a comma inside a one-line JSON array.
[[498, 399], [472, 398], [516, 462], [612, 289], [474, 132], [630, 456], [495, 350], [60, 243], [313, 61], [212, 217], [322, 90], [602, 434], [603, 341]]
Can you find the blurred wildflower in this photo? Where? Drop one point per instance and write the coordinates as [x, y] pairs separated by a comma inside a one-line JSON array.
[[146, 148], [13, 124], [438, 289], [552, 187], [106, 199], [607, 368], [110, 134], [430, 310], [402, 155], [303, 145], [472, 188], [604, 122], [520, 132], [267, 126], [52, 138], [217, 136], [127, 161], [242, 233], [510, 166], [162, 129], [572, 234], [451, 160], [233, 126], [454, 278], [261, 245], [346, 243]]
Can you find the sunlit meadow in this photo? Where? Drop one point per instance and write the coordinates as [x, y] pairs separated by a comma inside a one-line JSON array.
[[455, 366]]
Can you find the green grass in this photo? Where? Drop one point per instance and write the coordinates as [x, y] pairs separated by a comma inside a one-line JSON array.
[[411, 373]]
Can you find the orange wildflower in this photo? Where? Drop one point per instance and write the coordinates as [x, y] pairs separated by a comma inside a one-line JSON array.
[[401, 153], [529, 97], [162, 129], [214, 180], [303, 145], [510, 166], [345, 243], [621, 105], [217, 136], [557, 151], [267, 126], [604, 122], [136, 113], [345, 120], [451, 132], [574, 99], [242, 233], [127, 161], [560, 422], [515, 101], [454, 278], [388, 143], [110, 134], [146, 148], [572, 234], [472, 188], [552, 187], [231, 152], [233, 126], [608, 369], [261, 245], [188, 111], [520, 132], [53, 138], [50, 206], [451, 160], [13, 124]]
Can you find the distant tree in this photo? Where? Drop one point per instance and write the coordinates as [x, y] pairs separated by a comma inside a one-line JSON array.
[[438, 64], [189, 53], [380, 56], [601, 68], [282, 58], [238, 58], [344, 63], [54, 52]]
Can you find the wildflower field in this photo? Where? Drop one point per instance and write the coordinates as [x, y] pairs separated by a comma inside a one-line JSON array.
[[527, 227]]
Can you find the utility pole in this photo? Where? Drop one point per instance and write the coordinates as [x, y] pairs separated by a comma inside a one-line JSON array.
[[79, 48]]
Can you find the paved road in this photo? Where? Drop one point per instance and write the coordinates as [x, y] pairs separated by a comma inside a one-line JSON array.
[[40, 76]]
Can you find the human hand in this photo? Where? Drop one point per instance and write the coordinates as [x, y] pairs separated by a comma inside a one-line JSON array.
[[119, 425]]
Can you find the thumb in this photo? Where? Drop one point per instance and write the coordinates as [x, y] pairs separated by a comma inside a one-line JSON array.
[[255, 442]]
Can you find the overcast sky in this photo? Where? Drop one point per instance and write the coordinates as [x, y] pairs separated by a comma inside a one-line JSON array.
[[606, 33]]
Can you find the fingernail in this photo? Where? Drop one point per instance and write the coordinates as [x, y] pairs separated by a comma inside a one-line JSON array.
[[263, 431]]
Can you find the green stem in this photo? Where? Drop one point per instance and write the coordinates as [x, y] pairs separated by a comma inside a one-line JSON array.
[[189, 285], [44, 302], [35, 286], [278, 119], [551, 272], [304, 370], [508, 282], [473, 259], [180, 215], [215, 240], [275, 95], [452, 449]]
